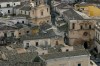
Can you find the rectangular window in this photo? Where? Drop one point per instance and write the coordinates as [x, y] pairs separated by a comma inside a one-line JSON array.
[[62, 65], [36, 43], [46, 43], [98, 36], [27, 45], [12, 34], [25, 12], [29, 13], [8, 11], [5, 34], [73, 26], [14, 3], [33, 12], [27, 32], [82, 8], [8, 5], [21, 12], [41, 13], [89, 26], [23, 22], [47, 9], [81, 27], [79, 64], [57, 43]]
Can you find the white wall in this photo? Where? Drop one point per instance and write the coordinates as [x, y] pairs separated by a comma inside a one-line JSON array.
[[5, 9], [33, 42], [19, 20], [13, 20], [9, 33], [4, 4]]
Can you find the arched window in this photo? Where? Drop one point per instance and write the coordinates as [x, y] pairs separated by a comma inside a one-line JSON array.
[[81, 27], [89, 26], [41, 12]]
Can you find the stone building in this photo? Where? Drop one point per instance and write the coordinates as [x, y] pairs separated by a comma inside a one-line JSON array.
[[70, 58], [80, 31], [91, 10], [97, 36], [6, 6], [37, 11], [42, 38]]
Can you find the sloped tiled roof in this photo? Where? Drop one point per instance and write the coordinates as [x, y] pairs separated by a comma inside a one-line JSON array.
[[72, 15], [65, 54]]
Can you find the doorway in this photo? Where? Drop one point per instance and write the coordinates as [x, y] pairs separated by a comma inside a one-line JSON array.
[[36, 43], [86, 45], [5, 34]]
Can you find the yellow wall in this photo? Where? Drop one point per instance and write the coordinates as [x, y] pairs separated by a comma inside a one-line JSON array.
[[90, 10], [94, 11]]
